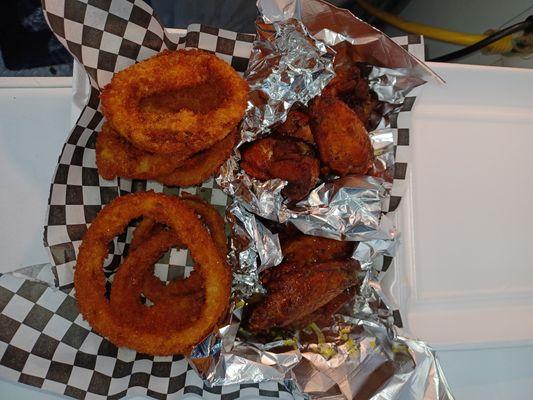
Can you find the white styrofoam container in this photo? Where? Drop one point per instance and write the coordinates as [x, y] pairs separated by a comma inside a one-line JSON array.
[[464, 275], [34, 123]]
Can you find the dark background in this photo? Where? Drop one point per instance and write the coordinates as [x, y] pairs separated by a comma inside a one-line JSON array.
[[28, 47]]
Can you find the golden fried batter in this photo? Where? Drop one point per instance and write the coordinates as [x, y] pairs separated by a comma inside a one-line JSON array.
[[153, 288], [202, 165], [90, 282], [167, 130], [115, 156]]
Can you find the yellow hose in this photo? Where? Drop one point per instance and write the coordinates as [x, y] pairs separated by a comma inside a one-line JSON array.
[[503, 45]]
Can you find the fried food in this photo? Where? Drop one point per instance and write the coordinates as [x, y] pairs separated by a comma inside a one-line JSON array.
[[341, 137], [89, 278], [324, 316], [306, 249], [205, 212], [199, 98], [177, 126], [201, 166], [146, 228], [335, 124], [168, 131], [352, 87], [153, 288], [284, 158], [306, 261], [297, 290], [297, 126], [115, 156], [168, 311]]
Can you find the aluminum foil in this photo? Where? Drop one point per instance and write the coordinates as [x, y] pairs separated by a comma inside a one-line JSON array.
[[359, 356], [251, 242], [349, 208], [291, 67]]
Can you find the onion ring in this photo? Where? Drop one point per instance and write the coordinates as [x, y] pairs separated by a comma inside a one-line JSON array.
[[89, 278], [202, 165], [115, 156], [168, 312], [153, 287], [182, 131], [147, 227]]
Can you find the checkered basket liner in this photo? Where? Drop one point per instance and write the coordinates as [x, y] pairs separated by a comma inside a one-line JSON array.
[[44, 341]]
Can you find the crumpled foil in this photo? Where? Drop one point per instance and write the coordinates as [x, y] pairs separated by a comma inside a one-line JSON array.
[[291, 67], [360, 355]]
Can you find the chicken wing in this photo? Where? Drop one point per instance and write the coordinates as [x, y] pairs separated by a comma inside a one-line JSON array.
[[306, 249], [324, 315], [296, 290], [350, 86], [297, 126], [287, 159], [341, 137]]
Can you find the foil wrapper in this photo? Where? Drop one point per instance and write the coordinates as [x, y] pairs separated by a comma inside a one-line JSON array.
[[360, 354], [290, 67], [349, 208], [251, 241]]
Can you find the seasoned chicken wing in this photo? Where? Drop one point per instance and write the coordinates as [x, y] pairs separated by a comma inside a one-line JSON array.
[[350, 86], [297, 126], [306, 249], [324, 315], [283, 158], [341, 137], [296, 290]]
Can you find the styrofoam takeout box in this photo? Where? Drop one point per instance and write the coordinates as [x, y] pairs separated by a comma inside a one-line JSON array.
[[34, 122], [463, 277]]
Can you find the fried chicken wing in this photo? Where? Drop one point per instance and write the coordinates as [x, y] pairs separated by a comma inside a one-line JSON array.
[[350, 86], [301, 249], [296, 290], [306, 249], [257, 157], [287, 159], [297, 126], [301, 175], [324, 315], [341, 137]]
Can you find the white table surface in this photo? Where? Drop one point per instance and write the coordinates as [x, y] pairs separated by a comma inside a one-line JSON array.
[[34, 122]]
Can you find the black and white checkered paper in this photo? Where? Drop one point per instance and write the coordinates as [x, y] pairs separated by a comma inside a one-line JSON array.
[[44, 341]]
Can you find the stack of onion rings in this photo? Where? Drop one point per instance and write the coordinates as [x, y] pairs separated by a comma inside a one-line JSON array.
[[170, 118], [174, 324], [115, 156]]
